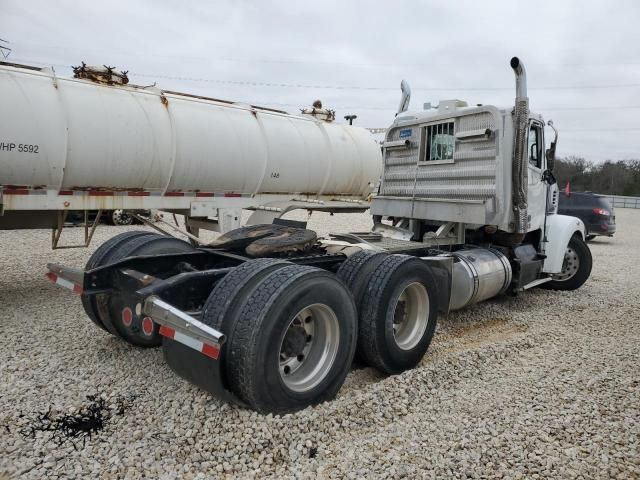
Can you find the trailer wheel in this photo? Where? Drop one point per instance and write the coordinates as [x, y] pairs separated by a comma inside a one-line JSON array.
[[294, 340], [101, 257], [136, 329], [576, 267], [120, 218], [399, 314]]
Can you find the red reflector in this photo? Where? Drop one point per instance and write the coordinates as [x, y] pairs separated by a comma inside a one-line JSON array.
[[127, 316], [100, 193], [205, 194], [167, 332], [52, 276], [601, 211], [147, 326], [232, 195], [210, 351], [174, 194], [16, 191]]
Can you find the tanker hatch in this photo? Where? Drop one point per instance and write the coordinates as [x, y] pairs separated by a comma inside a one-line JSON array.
[[318, 112], [103, 74]]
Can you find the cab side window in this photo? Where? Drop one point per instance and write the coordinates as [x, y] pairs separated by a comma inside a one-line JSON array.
[[535, 146]]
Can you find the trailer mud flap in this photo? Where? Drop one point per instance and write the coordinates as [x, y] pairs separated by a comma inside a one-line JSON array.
[[198, 368]]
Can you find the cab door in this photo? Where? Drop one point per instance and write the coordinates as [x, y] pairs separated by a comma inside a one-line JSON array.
[[536, 186]]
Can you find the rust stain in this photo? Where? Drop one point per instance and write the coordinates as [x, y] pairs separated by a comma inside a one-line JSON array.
[[164, 100]]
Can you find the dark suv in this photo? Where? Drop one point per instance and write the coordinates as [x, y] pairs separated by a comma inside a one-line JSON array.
[[594, 211]]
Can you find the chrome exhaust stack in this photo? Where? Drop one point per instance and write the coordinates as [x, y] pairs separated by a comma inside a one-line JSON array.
[[520, 159], [405, 98]]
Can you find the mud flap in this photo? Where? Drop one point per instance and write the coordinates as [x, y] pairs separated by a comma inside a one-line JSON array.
[[441, 268], [198, 369]]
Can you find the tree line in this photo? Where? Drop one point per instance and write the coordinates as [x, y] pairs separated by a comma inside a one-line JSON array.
[[620, 177]]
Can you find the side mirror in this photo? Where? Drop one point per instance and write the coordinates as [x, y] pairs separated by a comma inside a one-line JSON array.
[[551, 151]]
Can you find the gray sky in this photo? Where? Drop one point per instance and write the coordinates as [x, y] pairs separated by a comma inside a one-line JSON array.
[[270, 53]]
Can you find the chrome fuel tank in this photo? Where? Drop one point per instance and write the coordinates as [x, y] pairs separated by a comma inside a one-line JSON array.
[[478, 274]]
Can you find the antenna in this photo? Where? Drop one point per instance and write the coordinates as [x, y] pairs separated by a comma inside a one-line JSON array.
[[4, 50]]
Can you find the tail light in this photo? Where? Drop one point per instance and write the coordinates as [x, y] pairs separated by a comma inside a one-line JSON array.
[[601, 211]]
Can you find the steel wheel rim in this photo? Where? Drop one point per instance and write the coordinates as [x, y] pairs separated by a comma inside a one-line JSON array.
[[411, 316], [303, 364], [570, 266], [120, 217]]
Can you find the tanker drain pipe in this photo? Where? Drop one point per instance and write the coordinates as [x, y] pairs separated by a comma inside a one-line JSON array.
[[405, 98], [520, 159]]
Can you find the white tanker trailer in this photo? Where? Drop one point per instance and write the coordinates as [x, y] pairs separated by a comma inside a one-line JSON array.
[[270, 317], [96, 143]]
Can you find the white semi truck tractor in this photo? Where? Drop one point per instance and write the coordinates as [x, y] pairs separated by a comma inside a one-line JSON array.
[[270, 316], [97, 143]]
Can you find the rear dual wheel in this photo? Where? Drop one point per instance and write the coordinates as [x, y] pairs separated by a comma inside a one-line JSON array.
[[100, 257], [111, 311], [291, 335], [397, 305]]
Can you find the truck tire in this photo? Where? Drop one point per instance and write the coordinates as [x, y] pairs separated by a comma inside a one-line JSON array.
[[139, 330], [310, 318], [355, 271], [576, 266], [399, 314], [220, 312], [101, 257]]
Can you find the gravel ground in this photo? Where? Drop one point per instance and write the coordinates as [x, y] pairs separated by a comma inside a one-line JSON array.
[[543, 385]]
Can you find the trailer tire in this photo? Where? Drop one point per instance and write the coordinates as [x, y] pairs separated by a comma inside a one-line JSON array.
[[573, 276], [101, 257], [399, 314], [310, 318], [136, 329]]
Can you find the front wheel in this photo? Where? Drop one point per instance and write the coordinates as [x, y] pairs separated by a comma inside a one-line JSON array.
[[576, 267]]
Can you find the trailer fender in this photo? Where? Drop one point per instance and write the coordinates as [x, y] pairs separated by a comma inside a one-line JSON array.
[[559, 230]]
